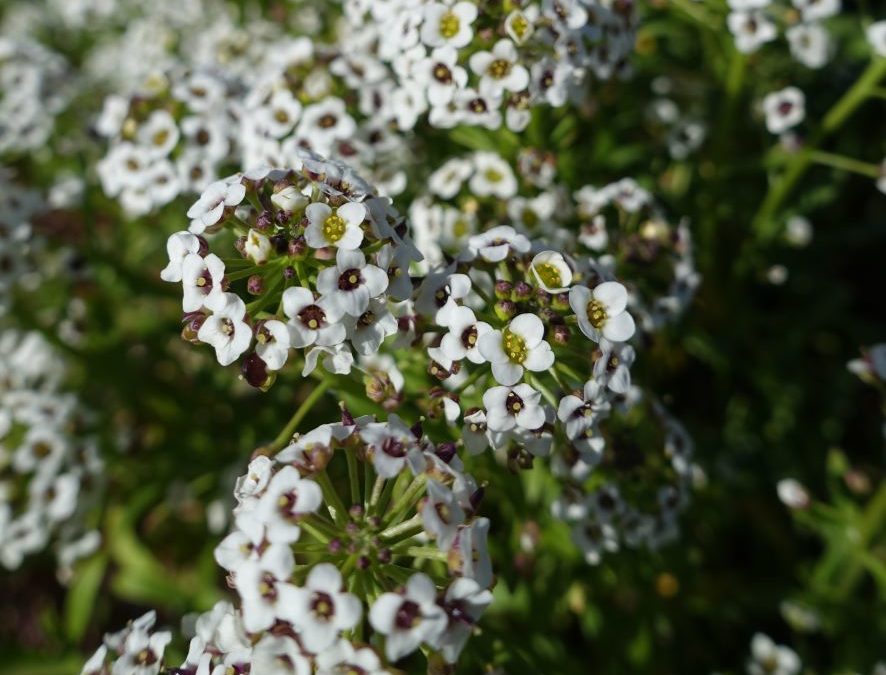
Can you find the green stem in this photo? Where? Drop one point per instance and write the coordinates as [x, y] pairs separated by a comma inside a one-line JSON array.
[[845, 163], [404, 530], [407, 499], [285, 436], [353, 477], [764, 222], [334, 503]]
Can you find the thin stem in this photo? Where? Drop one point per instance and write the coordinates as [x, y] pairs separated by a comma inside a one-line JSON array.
[[426, 552], [404, 530], [285, 436], [407, 499], [353, 477], [845, 163], [334, 503]]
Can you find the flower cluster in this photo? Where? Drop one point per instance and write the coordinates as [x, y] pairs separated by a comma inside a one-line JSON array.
[[333, 583], [50, 468], [754, 23], [472, 63], [33, 91], [326, 260]]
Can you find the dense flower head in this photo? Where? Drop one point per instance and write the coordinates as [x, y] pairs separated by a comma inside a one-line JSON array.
[[50, 468], [326, 260]]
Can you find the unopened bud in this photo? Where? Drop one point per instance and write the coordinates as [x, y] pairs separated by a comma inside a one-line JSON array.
[[255, 285], [505, 310], [503, 289], [522, 292]]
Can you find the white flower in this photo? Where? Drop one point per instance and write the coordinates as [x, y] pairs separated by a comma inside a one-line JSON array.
[[410, 619], [388, 444], [810, 44], [312, 321], [510, 407], [751, 30], [370, 329], [495, 244], [226, 330], [337, 359], [581, 415], [339, 227], [351, 283], [257, 247], [464, 335], [798, 231], [441, 514], [272, 343], [817, 10], [321, 609], [343, 657], [768, 658], [499, 70], [464, 603], [440, 75], [493, 176], [142, 653], [601, 312], [274, 655], [448, 25], [613, 367], [159, 134], [261, 581], [279, 115], [469, 555], [178, 246], [520, 25], [551, 272], [438, 294], [446, 181], [876, 35], [784, 109], [208, 210], [792, 493], [520, 346], [289, 199], [288, 498]]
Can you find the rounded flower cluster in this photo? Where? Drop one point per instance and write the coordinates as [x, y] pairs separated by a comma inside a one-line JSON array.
[[50, 468], [167, 140], [480, 64], [330, 583], [326, 261], [18, 206], [33, 91]]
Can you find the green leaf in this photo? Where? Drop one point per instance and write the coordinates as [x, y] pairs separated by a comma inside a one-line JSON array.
[[80, 600]]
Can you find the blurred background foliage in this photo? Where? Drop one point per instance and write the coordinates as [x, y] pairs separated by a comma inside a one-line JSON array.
[[756, 371]]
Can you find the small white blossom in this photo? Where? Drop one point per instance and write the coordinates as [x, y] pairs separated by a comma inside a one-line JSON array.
[[602, 312], [410, 619], [225, 329]]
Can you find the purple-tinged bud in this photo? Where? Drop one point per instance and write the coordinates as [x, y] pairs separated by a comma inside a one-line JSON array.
[[560, 334], [346, 417], [374, 522], [417, 429], [548, 316], [384, 556], [298, 247], [288, 272], [240, 245], [503, 289], [542, 297], [191, 324], [264, 222], [446, 451], [560, 302], [356, 512], [283, 217], [505, 310], [352, 529], [335, 546], [255, 371], [363, 562], [255, 285], [522, 292]]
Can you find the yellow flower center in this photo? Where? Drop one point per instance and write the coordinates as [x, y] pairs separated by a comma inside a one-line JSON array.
[[449, 25], [520, 25], [549, 275], [493, 175], [499, 69], [334, 228], [597, 314], [514, 346]]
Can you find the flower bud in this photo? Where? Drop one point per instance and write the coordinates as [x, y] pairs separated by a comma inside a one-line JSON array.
[[192, 322], [384, 556], [240, 245], [255, 285], [257, 247], [289, 272], [255, 372], [446, 451], [560, 302], [298, 248], [289, 199], [522, 292], [334, 546], [503, 289], [560, 334], [542, 297], [356, 512], [505, 310], [264, 221]]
